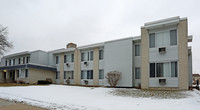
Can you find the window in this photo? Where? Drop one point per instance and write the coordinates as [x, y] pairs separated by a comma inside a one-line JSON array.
[[152, 70], [83, 74], [23, 60], [152, 40], [65, 58], [72, 74], [91, 55], [87, 56], [9, 62], [167, 69], [27, 59], [101, 74], [173, 37], [19, 61], [26, 73], [57, 59], [57, 75], [100, 54], [137, 50], [6, 63], [17, 73], [90, 74], [162, 39], [68, 74], [65, 74], [87, 74], [159, 69], [174, 69], [137, 73], [72, 57], [13, 61], [82, 56]]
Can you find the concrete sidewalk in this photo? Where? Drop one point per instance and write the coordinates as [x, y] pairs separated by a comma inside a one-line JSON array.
[[9, 105]]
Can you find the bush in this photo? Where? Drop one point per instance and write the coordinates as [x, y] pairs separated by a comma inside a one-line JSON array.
[[113, 77], [21, 82], [44, 82]]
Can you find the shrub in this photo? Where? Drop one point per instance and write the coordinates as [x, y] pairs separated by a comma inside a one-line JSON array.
[[44, 82], [113, 77], [21, 82]]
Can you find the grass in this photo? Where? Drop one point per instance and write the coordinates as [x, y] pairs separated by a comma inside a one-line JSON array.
[[158, 94]]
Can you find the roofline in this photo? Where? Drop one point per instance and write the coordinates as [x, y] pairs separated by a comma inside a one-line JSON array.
[[162, 22], [16, 54], [92, 46]]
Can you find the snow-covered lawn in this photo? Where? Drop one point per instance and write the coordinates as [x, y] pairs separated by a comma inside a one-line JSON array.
[[90, 98]]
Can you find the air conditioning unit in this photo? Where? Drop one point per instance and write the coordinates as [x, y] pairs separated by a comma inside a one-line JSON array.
[[162, 81], [67, 64], [85, 63], [162, 50]]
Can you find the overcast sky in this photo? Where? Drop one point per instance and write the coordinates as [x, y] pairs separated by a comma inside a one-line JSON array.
[[51, 24]]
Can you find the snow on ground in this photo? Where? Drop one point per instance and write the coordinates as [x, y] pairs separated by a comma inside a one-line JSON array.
[[62, 97]]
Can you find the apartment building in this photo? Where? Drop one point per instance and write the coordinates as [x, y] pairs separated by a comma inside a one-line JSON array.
[[159, 58]]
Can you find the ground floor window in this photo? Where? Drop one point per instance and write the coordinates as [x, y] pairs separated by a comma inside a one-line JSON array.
[[58, 75], [17, 73], [68, 74], [137, 73], [163, 69], [101, 74], [87, 74], [26, 73]]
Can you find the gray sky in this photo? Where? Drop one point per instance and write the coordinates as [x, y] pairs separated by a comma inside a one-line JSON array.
[[51, 24]]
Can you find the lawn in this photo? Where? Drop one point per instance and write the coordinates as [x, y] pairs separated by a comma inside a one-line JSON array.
[[62, 97]]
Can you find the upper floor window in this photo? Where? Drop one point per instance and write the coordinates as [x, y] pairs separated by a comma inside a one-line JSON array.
[[100, 54], [68, 58], [164, 38], [6, 62], [27, 59], [19, 61], [72, 57], [173, 37], [9, 62], [24, 60], [65, 58], [137, 50], [57, 59], [87, 56], [13, 61]]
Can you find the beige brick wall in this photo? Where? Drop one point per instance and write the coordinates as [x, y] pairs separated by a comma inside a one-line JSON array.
[[96, 67], [77, 67], [62, 68], [39, 74], [183, 54], [144, 58]]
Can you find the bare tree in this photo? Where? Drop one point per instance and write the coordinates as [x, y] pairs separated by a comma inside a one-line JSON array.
[[113, 77], [4, 43]]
